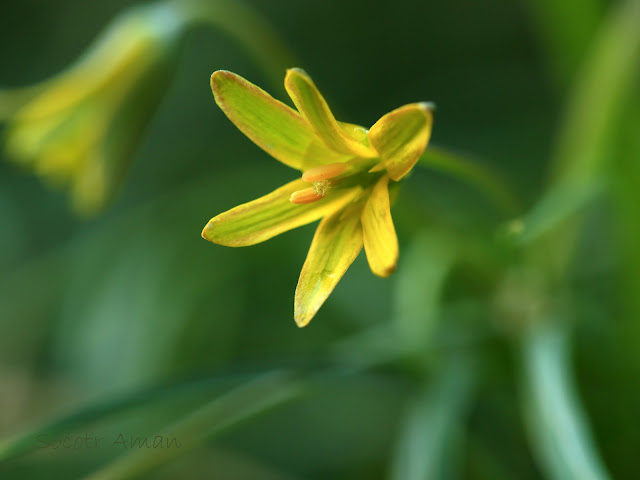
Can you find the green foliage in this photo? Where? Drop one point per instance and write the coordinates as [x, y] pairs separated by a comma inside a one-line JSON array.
[[505, 345]]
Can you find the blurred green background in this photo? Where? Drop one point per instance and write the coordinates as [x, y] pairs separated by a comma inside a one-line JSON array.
[[498, 350]]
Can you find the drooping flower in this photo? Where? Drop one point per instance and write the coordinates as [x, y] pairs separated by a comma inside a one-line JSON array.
[[79, 129], [346, 172]]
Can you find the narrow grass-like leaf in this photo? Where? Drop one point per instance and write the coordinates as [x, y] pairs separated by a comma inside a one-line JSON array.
[[566, 29], [23, 443], [557, 424], [419, 286], [249, 400], [429, 443]]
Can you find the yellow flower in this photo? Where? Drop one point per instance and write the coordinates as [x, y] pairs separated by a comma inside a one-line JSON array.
[[346, 174], [79, 129]]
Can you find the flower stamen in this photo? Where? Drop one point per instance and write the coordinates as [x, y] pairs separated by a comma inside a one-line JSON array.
[[321, 187], [306, 195], [324, 172]]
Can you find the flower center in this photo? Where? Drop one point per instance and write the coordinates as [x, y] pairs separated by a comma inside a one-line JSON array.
[[321, 187], [320, 178]]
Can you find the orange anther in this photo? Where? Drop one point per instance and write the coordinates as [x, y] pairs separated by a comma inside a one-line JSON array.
[[306, 195], [324, 172]]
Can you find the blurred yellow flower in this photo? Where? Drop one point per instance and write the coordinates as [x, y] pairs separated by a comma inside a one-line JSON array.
[[80, 128], [346, 174]]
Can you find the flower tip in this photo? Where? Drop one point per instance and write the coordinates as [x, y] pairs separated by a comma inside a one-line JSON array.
[[218, 73], [302, 318], [219, 76], [429, 106], [206, 231], [296, 70], [387, 271]]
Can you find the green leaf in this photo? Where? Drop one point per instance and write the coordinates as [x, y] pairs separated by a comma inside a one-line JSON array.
[[249, 400], [559, 204], [429, 446], [566, 29], [558, 427], [425, 268], [23, 443]]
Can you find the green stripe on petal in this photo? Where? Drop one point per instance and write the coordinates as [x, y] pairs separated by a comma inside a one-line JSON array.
[[313, 107], [336, 244], [318, 154], [273, 126], [379, 234], [271, 215], [401, 136]]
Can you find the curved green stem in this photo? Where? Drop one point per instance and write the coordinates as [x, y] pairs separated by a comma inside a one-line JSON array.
[[247, 27], [476, 174]]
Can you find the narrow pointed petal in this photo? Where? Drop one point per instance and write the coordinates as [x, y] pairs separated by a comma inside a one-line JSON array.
[[271, 215], [314, 109], [379, 234], [273, 126], [336, 244], [401, 136]]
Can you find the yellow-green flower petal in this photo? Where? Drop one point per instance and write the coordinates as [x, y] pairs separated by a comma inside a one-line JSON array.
[[379, 235], [271, 215], [335, 246], [273, 126], [357, 133], [400, 137], [313, 107]]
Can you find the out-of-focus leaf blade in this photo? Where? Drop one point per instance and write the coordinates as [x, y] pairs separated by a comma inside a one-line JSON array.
[[251, 399], [23, 443], [419, 286], [566, 29], [557, 424], [428, 447]]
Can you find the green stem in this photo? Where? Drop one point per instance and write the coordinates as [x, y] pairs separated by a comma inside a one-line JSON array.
[[247, 27], [474, 173]]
